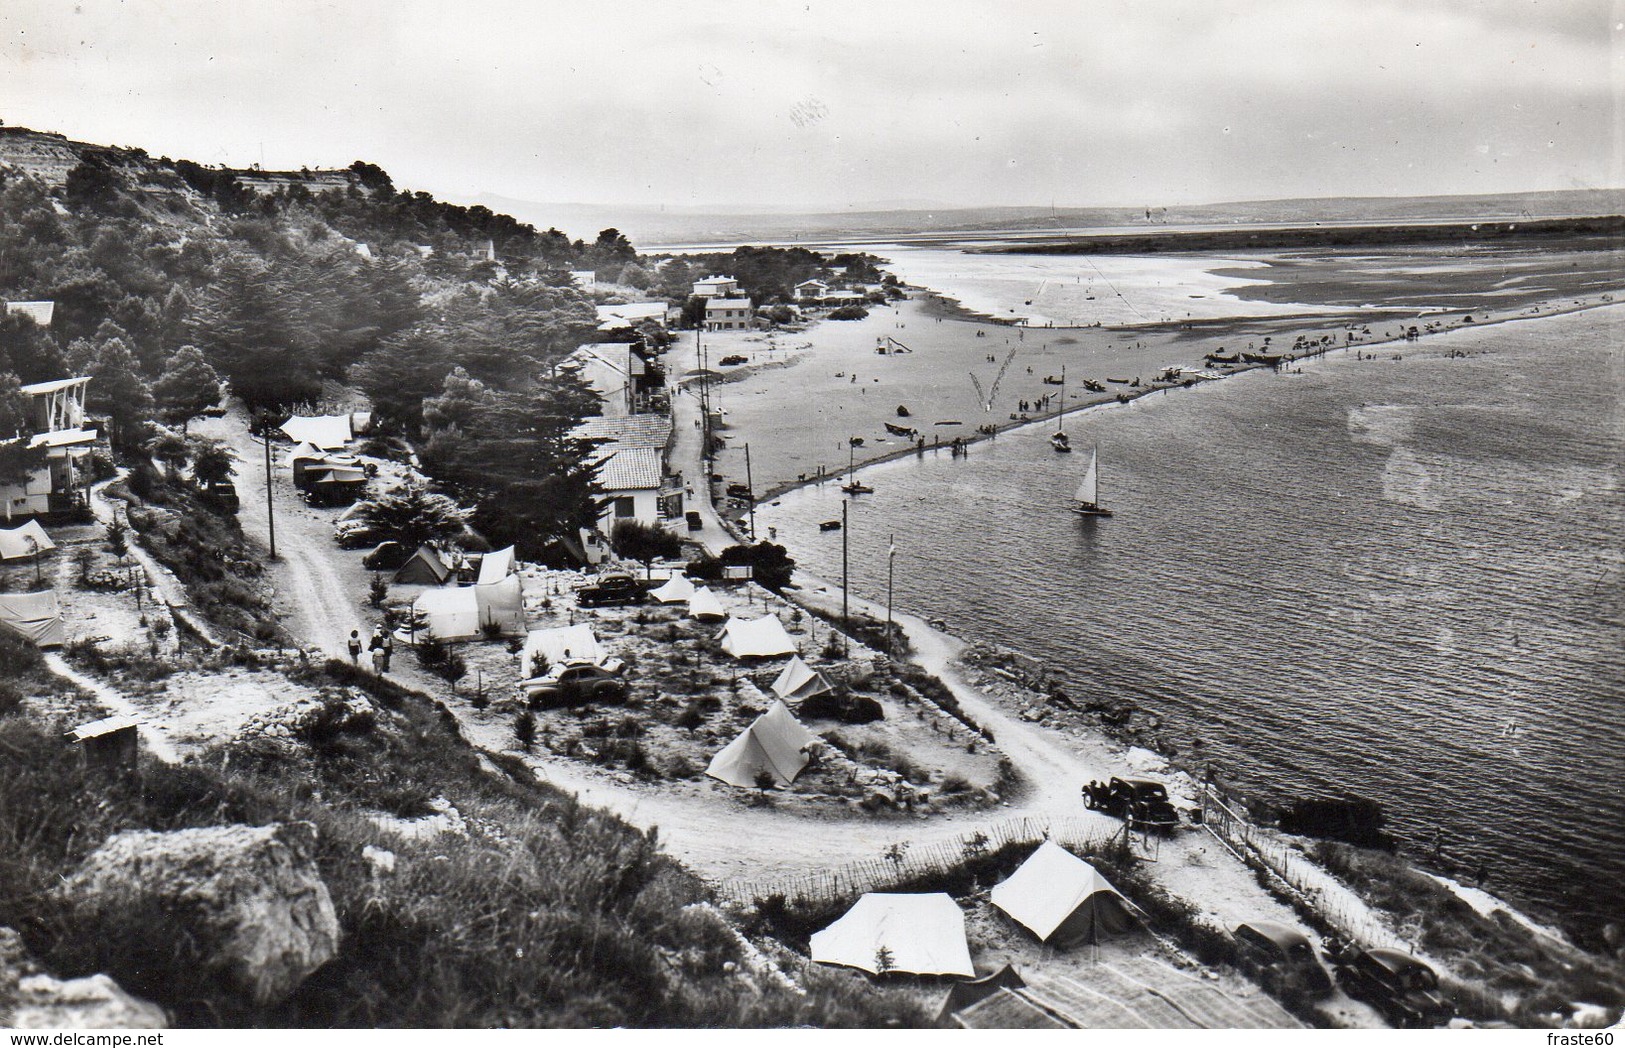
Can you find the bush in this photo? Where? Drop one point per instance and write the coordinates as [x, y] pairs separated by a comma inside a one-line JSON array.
[[848, 313]]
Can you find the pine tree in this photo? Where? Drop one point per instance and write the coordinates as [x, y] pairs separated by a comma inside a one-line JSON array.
[[187, 387], [118, 390]]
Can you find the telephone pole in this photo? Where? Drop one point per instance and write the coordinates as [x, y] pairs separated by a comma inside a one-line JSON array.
[[270, 510], [752, 496], [846, 622]]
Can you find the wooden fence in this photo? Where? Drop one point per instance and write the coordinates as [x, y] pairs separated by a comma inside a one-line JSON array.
[[905, 862]]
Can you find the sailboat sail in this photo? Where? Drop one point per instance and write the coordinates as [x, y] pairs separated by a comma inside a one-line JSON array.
[[1088, 491]]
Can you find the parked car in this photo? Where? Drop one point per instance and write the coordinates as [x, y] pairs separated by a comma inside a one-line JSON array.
[[731, 359], [1282, 959], [1140, 802], [355, 534], [694, 522], [1402, 988], [386, 556], [614, 587], [739, 491], [223, 493], [573, 684]]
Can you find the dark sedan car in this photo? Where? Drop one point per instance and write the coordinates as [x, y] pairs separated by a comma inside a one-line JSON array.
[[614, 587], [1398, 985], [1282, 959]]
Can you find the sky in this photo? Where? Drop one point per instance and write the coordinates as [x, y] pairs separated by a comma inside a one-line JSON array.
[[821, 104]]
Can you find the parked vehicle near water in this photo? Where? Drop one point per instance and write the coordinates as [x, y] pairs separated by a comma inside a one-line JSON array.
[[1142, 803], [1282, 959], [1402, 988]]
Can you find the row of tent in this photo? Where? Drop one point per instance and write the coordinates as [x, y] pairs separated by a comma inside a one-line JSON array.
[[464, 612], [1057, 896]]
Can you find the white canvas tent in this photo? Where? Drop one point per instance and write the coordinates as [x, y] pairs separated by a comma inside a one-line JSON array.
[[704, 605], [920, 934], [1062, 899], [324, 431], [496, 566], [676, 590], [543, 648], [755, 638], [302, 451], [36, 616], [16, 542], [775, 742], [461, 612], [800, 681]]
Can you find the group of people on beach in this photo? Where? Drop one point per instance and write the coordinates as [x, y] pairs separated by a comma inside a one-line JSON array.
[[382, 646]]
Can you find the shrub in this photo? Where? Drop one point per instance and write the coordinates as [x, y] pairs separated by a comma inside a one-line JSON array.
[[524, 730]]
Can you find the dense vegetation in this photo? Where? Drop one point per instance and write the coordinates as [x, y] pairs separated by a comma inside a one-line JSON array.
[[545, 913]]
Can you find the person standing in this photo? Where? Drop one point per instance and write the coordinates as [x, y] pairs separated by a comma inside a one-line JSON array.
[[355, 647]]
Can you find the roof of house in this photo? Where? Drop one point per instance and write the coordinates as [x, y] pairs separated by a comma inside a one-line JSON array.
[[815, 282], [627, 431], [38, 389], [717, 280], [727, 303], [39, 312], [630, 311], [630, 469]]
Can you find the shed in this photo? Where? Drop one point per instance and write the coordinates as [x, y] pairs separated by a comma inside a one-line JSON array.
[[111, 744]]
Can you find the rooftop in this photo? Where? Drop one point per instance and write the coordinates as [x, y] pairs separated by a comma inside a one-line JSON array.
[[628, 469], [629, 431]]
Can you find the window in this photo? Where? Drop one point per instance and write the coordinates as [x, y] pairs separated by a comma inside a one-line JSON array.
[[626, 506]]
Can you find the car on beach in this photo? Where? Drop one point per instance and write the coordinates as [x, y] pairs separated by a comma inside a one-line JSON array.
[[612, 588], [1282, 959], [1142, 803], [1402, 988], [574, 684]]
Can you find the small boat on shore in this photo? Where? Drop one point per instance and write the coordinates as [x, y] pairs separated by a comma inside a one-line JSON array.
[[853, 486], [1060, 441], [900, 431], [1092, 386], [1223, 358], [951, 422], [1122, 381], [1086, 502], [1270, 359]]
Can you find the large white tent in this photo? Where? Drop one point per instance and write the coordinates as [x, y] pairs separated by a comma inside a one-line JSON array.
[[324, 431], [775, 742], [676, 590], [704, 605], [800, 681], [496, 566], [921, 934], [756, 638], [1062, 899], [16, 542], [461, 612], [543, 648], [37, 616]]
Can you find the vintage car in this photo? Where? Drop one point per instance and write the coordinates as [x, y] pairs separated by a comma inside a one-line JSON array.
[[1142, 803], [574, 684], [1282, 959], [614, 587], [1398, 985]]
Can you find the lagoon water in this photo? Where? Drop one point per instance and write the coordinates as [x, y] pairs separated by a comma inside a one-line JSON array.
[[1397, 578]]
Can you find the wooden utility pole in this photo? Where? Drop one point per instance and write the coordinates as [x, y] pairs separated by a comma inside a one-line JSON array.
[[891, 564], [846, 532], [270, 510], [752, 496]]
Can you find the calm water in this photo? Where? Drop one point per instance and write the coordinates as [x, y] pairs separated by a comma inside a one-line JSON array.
[[1403, 579]]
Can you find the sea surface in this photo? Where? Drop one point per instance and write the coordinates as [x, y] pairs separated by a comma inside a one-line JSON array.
[[1399, 578]]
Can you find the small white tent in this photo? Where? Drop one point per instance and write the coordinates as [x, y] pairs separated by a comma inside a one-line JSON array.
[[775, 742], [36, 616], [16, 542], [462, 612], [705, 606], [1062, 899], [800, 681], [755, 638], [676, 590], [921, 934], [496, 566], [543, 648], [324, 431]]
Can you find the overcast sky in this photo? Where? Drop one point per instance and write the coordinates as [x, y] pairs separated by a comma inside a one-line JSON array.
[[830, 104]]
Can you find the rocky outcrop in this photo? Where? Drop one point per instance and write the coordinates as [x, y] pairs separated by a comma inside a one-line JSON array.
[[246, 903], [33, 1000]]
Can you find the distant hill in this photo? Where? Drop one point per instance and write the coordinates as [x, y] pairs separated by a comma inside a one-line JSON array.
[[653, 227]]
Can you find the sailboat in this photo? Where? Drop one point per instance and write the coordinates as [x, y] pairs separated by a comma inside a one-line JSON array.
[[1087, 500], [853, 486], [1059, 441]]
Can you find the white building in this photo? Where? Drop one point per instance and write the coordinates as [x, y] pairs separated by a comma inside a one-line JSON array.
[[632, 468], [39, 312], [811, 291], [716, 287], [57, 419], [626, 314], [727, 314]]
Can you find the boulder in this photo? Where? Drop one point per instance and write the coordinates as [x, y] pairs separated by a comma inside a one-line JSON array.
[[32, 1000], [245, 904]]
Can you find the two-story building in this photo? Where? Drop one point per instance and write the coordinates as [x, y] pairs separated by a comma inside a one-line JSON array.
[[728, 314], [620, 374], [56, 416], [632, 469], [812, 291]]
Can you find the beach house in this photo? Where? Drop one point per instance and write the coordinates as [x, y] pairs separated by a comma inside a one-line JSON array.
[[619, 373], [811, 292], [61, 444], [728, 314], [627, 314], [632, 468], [716, 287]]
